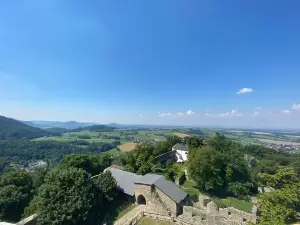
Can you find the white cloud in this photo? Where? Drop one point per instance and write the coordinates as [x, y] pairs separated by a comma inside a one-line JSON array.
[[207, 114], [225, 114], [296, 106], [180, 114], [141, 115], [165, 114], [232, 113], [286, 111], [190, 112], [255, 113], [258, 108], [244, 90]]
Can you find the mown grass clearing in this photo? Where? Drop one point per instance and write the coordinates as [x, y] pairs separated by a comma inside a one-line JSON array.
[[190, 188], [114, 152], [236, 203], [119, 208]]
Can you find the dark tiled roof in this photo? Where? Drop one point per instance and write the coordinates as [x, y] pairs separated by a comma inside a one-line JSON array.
[[170, 189], [148, 179], [180, 146], [125, 180]]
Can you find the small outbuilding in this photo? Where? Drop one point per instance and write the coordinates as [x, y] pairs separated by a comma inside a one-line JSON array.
[[182, 152]]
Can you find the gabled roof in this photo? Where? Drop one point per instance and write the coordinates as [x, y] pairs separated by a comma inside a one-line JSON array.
[[148, 179], [180, 146], [125, 180], [170, 189]]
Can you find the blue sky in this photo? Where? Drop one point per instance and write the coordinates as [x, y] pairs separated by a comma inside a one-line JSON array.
[[152, 62]]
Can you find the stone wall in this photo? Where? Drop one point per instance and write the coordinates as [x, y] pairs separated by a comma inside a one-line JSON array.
[[154, 202], [206, 212], [234, 215], [31, 220], [180, 180]]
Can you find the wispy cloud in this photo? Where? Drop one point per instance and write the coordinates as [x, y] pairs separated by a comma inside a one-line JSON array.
[[141, 115], [232, 113], [180, 114], [285, 111], [244, 90], [296, 106], [190, 112], [255, 113], [165, 114]]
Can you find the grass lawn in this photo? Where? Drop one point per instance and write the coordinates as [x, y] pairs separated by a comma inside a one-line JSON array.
[[147, 221], [119, 208], [58, 139], [127, 209], [113, 152], [236, 203], [190, 187]]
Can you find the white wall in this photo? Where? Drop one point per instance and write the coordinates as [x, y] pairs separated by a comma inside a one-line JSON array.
[[181, 155]]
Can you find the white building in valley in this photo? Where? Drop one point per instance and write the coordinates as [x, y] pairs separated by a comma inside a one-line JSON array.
[[182, 152]]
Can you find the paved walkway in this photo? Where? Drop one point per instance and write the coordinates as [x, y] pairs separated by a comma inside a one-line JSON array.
[[130, 215]]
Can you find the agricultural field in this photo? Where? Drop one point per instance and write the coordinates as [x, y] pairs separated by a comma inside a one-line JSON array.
[[127, 147], [119, 137], [182, 135], [279, 142]]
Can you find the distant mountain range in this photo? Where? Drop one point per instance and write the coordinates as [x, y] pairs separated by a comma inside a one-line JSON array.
[[52, 124], [75, 124]]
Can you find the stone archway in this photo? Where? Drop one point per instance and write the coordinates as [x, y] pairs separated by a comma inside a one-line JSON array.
[[141, 200]]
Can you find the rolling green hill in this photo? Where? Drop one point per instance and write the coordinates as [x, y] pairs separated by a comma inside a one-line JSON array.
[[11, 129]]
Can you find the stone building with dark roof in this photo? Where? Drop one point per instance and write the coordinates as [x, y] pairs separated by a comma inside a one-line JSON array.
[[159, 195]]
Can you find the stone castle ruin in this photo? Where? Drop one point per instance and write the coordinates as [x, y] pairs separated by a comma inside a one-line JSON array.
[[164, 200], [206, 212]]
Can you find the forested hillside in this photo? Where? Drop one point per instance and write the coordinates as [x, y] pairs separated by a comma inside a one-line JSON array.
[[95, 128], [11, 129]]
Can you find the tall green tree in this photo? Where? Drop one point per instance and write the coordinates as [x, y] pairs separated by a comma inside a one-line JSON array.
[[93, 164], [173, 139], [194, 142], [107, 185], [16, 191], [207, 169], [142, 159], [220, 168], [282, 205], [68, 197]]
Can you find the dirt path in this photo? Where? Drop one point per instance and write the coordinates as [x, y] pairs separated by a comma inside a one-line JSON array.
[[130, 215]]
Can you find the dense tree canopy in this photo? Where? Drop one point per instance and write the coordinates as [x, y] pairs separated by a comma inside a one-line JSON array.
[[68, 197], [16, 191], [93, 164], [220, 169], [282, 205], [23, 152], [194, 142], [142, 159], [96, 128], [107, 185]]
